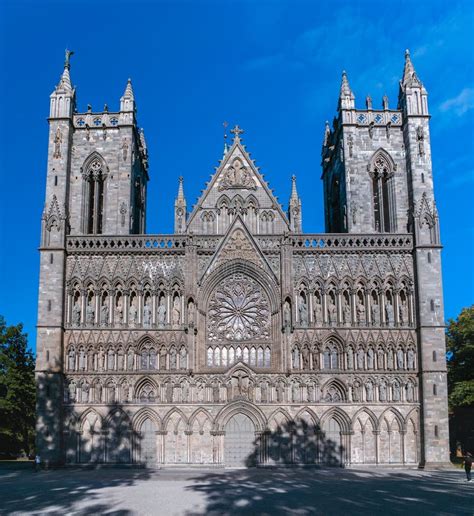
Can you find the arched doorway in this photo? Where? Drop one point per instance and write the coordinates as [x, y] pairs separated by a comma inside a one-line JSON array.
[[148, 443], [239, 442]]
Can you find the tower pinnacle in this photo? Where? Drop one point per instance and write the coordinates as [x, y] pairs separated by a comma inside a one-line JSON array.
[[346, 96]]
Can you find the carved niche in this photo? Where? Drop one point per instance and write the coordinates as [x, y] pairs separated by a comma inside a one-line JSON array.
[[238, 311]]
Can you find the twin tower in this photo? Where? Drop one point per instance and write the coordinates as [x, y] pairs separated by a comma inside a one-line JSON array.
[[378, 187]]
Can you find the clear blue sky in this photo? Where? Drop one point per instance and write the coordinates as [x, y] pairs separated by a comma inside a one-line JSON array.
[[273, 67]]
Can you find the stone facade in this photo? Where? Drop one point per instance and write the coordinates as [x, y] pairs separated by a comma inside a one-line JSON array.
[[240, 339]]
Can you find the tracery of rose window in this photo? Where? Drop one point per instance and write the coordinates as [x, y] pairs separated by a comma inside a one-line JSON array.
[[238, 311]]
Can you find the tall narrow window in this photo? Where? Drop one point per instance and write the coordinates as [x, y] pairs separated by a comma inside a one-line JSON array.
[[94, 177], [383, 196]]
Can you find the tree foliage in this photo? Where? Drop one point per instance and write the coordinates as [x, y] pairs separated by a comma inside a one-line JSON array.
[[17, 391], [460, 341]]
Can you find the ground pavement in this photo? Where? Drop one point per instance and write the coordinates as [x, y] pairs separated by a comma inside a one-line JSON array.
[[274, 492]]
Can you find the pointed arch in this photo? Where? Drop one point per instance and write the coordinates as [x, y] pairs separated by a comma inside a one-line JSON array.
[[196, 414], [142, 415], [175, 411], [249, 409]]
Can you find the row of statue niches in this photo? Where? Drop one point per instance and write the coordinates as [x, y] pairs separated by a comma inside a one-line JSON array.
[[236, 388], [132, 317], [378, 316]]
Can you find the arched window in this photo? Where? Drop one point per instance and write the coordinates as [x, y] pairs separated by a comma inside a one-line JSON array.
[[94, 181], [381, 171]]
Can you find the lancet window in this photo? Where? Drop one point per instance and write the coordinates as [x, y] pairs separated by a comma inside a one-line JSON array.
[[381, 171], [94, 183]]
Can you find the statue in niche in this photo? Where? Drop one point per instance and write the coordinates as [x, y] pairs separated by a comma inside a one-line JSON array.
[[146, 314], [380, 359], [162, 313], [279, 391], [71, 360], [382, 392], [125, 391], [90, 313], [173, 358], [101, 359], [295, 392], [360, 358], [58, 138], [390, 359], [182, 358], [310, 393], [400, 359], [169, 392], [215, 392], [130, 360], [85, 393], [104, 315], [295, 358], [369, 391], [124, 149], [82, 360], [396, 392], [132, 313], [120, 360], [76, 315], [347, 313], [361, 313], [318, 312], [410, 393], [110, 360], [176, 313], [315, 355], [389, 313], [375, 313], [403, 313], [332, 312], [356, 392], [185, 392], [163, 358], [370, 358], [98, 392], [303, 311], [411, 359], [264, 392], [72, 392], [350, 358], [286, 314], [191, 310], [118, 313], [305, 356]]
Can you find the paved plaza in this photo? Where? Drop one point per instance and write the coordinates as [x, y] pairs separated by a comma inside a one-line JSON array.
[[226, 492]]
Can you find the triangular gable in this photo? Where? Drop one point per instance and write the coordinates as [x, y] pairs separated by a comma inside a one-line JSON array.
[[238, 243], [237, 175]]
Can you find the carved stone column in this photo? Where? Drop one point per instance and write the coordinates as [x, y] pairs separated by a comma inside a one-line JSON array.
[[324, 301], [396, 307], [154, 306], [140, 306], [97, 294], [70, 294], [368, 306], [338, 306], [126, 299], [353, 306], [383, 317], [111, 293], [410, 301], [83, 305], [188, 434]]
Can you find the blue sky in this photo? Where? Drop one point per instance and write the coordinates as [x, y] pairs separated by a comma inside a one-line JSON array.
[[273, 67]]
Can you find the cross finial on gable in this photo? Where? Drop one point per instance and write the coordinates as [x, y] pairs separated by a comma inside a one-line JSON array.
[[237, 131]]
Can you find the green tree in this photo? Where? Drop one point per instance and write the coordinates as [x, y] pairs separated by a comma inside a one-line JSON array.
[[17, 391], [460, 340]]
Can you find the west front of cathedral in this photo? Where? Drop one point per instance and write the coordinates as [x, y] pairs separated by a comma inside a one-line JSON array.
[[239, 340]]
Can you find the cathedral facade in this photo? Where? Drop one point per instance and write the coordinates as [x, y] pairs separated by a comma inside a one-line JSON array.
[[240, 340]]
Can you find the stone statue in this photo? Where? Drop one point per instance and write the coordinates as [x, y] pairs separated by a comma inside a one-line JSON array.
[[182, 358], [130, 360], [380, 359], [403, 314], [176, 313], [169, 392], [315, 355], [215, 392], [104, 315], [72, 392], [279, 391], [162, 313], [400, 359], [361, 318], [390, 359], [303, 310], [120, 360], [350, 358], [389, 313], [118, 313], [132, 313], [146, 315], [85, 393], [191, 310], [411, 359], [360, 358], [383, 392], [185, 392], [295, 358], [375, 313], [82, 360], [76, 315], [370, 391], [310, 391], [332, 313], [370, 358], [71, 360], [347, 314], [295, 392], [101, 359], [356, 392], [173, 358], [396, 392], [264, 392], [90, 314], [305, 356], [286, 314], [318, 312], [410, 394], [110, 360]]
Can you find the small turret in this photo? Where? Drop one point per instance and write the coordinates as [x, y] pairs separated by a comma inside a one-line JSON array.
[[346, 97], [412, 97], [180, 209], [63, 98]]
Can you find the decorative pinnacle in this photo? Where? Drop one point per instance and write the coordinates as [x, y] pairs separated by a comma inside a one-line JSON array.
[[225, 125], [67, 58], [180, 188], [345, 87], [409, 70], [129, 90], [237, 131], [294, 192]]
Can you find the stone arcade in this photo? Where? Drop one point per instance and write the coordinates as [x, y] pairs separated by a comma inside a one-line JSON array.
[[239, 339]]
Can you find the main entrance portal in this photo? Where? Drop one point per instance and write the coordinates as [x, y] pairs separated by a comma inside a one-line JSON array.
[[239, 447]]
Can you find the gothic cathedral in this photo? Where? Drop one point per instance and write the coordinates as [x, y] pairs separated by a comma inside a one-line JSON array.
[[240, 340]]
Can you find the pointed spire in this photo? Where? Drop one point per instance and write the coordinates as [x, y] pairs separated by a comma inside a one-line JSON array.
[[180, 189], [128, 94], [180, 209], [65, 81], [408, 70], [294, 207], [127, 101], [327, 133], [294, 192], [63, 98], [346, 97]]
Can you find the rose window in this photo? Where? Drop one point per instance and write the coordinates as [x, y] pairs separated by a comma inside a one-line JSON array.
[[238, 310]]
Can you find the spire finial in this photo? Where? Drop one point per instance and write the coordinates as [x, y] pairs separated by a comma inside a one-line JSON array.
[[237, 131], [67, 58], [409, 70], [294, 192], [226, 148], [180, 188], [346, 97]]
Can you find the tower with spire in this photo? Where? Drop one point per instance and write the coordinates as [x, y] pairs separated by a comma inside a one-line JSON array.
[[180, 209], [294, 208]]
